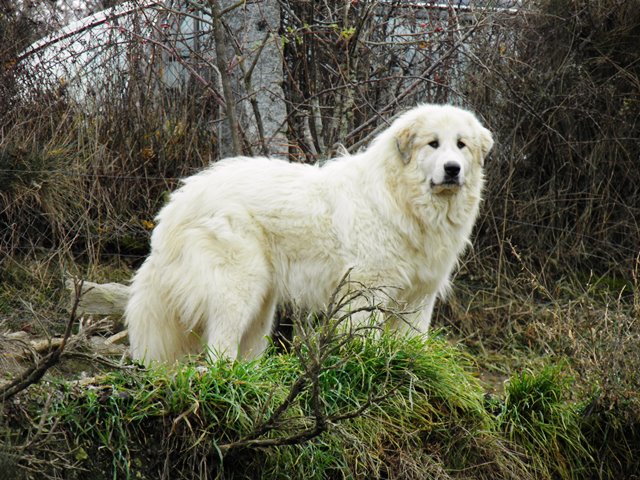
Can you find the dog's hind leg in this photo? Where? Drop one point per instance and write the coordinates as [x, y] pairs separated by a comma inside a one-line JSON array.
[[239, 325], [422, 320], [239, 306], [155, 330], [255, 340]]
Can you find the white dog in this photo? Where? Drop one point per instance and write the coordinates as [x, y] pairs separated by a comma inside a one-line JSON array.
[[248, 233]]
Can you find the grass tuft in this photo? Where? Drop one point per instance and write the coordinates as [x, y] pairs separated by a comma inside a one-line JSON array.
[[537, 416]]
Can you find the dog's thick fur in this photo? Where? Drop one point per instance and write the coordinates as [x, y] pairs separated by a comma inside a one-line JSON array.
[[248, 233]]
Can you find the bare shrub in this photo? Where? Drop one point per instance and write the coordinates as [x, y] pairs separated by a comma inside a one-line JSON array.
[[559, 82], [88, 162], [352, 65], [86, 175]]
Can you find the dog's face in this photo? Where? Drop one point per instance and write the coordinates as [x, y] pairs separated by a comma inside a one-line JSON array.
[[444, 143]]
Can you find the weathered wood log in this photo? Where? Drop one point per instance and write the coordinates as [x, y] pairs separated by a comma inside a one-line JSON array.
[[99, 298]]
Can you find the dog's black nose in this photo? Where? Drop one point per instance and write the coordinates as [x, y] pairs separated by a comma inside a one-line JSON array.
[[452, 169]]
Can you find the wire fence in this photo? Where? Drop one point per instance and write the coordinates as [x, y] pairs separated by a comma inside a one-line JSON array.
[[146, 224]]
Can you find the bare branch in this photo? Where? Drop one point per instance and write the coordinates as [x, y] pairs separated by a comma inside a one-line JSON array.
[[420, 81]]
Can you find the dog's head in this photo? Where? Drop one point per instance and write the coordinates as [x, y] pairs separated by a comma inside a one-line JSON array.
[[445, 144]]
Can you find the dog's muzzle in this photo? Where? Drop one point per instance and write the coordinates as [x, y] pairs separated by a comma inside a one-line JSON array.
[[451, 181]]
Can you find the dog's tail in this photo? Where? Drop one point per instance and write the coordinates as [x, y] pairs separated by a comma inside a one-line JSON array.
[[155, 331]]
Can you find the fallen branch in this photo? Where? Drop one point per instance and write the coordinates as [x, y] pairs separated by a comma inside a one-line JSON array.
[[43, 346], [37, 371]]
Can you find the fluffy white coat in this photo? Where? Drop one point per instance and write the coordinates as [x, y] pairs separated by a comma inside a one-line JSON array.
[[248, 233]]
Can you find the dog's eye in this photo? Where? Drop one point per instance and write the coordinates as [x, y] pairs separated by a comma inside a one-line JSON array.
[[434, 144], [461, 144]]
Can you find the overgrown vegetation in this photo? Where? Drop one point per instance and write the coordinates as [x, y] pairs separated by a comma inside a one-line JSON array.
[[389, 408], [561, 84], [546, 304]]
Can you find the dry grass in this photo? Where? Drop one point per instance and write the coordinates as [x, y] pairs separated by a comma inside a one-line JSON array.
[[591, 330]]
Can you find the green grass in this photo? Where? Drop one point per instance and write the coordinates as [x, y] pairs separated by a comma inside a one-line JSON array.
[[537, 415], [369, 407], [387, 407], [399, 393]]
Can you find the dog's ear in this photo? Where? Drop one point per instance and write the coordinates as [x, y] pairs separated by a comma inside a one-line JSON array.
[[404, 144], [486, 143]]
